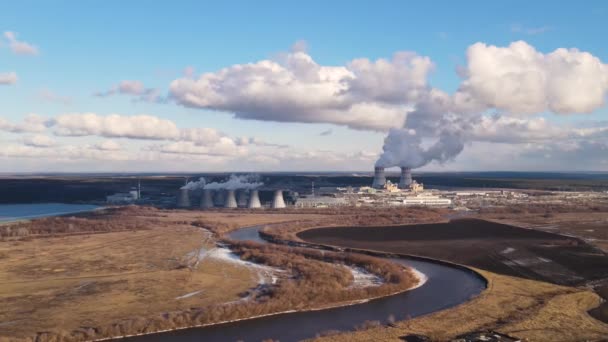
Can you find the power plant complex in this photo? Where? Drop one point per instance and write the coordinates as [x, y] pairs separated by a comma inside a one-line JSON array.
[[229, 198]]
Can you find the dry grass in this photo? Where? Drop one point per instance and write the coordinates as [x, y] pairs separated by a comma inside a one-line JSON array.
[[61, 284], [526, 309]]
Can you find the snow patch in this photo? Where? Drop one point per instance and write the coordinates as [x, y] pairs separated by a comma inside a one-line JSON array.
[[266, 274], [508, 250], [187, 295], [422, 278], [362, 278]]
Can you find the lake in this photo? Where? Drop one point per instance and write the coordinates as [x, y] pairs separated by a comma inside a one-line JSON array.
[[16, 212]]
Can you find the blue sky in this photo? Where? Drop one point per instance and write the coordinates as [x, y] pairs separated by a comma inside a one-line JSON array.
[[87, 47]]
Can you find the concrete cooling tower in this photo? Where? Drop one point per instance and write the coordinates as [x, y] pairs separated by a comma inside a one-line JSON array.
[[241, 198], [230, 200], [406, 178], [278, 201], [207, 199], [379, 178], [220, 198], [254, 200], [183, 198]]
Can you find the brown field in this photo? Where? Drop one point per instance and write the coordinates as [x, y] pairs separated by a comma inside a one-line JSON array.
[[526, 309]]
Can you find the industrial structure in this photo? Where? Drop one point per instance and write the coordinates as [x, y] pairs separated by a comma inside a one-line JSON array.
[[406, 178], [379, 178], [183, 199], [278, 202], [207, 199], [230, 199], [254, 200]]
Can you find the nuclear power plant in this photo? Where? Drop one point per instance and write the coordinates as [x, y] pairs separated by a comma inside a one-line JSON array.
[[406, 178], [278, 202], [254, 200], [379, 178], [230, 199]]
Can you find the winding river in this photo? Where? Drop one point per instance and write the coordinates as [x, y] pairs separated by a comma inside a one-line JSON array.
[[446, 287]]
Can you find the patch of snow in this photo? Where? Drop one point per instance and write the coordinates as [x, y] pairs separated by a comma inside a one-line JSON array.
[[508, 250], [362, 278], [189, 294], [422, 278], [265, 273]]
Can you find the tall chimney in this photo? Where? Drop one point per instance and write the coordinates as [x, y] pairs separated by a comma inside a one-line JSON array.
[[254, 200], [241, 198], [207, 199], [278, 202], [230, 200], [406, 178], [183, 199], [379, 178]]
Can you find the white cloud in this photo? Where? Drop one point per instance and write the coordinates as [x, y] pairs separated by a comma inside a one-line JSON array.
[[19, 47], [108, 145], [363, 94], [50, 96], [133, 88], [32, 123], [39, 141], [520, 80], [115, 126], [8, 78]]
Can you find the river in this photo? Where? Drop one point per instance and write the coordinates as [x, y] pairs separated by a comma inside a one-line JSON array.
[[446, 287], [17, 212]]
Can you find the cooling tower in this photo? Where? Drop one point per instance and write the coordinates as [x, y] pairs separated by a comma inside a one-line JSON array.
[[406, 178], [220, 198], [278, 201], [241, 198], [230, 200], [379, 178], [254, 200], [183, 199], [207, 199]]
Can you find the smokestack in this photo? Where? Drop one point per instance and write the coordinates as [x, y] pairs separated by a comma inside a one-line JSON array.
[[241, 198], [406, 178], [254, 200], [230, 200], [207, 199], [183, 199], [219, 198], [379, 178], [278, 201]]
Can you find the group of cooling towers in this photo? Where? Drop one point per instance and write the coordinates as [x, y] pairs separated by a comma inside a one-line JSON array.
[[223, 198]]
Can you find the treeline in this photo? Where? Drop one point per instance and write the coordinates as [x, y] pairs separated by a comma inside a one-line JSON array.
[[318, 281], [111, 220]]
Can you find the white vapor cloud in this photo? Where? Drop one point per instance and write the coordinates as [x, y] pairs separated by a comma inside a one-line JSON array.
[[133, 88], [8, 78], [19, 47], [522, 81], [363, 94]]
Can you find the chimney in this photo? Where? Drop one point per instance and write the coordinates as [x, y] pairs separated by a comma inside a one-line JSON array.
[[183, 199], [254, 200], [406, 178], [278, 202], [241, 198], [207, 199], [379, 178], [230, 200]]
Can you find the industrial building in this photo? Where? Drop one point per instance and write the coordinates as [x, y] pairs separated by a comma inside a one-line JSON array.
[[321, 202]]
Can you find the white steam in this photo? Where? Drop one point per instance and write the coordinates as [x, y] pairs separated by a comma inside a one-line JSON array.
[[234, 182]]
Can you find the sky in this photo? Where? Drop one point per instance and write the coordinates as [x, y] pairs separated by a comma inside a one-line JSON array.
[[196, 86]]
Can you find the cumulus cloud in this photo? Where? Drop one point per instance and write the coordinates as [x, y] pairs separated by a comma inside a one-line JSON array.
[[115, 126], [222, 148], [8, 78], [39, 141], [362, 94], [108, 145], [32, 123], [133, 88], [19, 47], [520, 80]]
